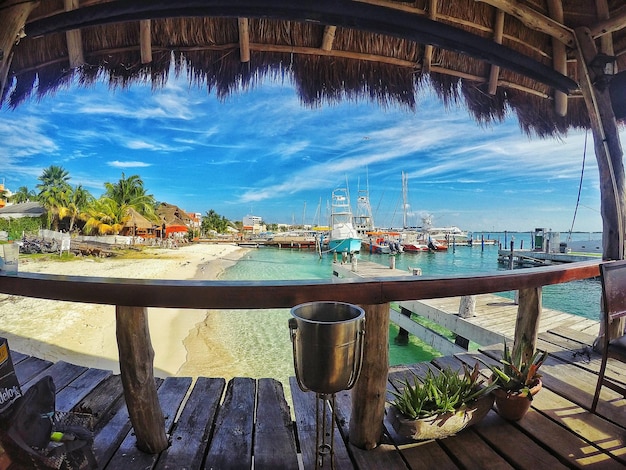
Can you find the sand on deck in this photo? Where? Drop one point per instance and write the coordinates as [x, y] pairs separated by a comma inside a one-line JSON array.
[[84, 334]]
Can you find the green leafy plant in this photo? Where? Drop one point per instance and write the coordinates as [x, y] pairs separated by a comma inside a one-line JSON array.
[[446, 391], [516, 376]]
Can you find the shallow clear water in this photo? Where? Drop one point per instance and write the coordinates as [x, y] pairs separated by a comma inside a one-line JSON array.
[[259, 340]]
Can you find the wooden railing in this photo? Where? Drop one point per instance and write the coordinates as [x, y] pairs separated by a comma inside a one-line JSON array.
[[132, 297]]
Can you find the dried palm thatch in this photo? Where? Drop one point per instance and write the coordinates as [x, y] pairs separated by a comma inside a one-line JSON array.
[[172, 215], [327, 62]]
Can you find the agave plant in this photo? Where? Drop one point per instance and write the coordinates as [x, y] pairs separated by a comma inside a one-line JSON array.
[[446, 391], [515, 376]]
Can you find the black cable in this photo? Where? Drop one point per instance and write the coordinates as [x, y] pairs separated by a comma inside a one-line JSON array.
[[580, 186]]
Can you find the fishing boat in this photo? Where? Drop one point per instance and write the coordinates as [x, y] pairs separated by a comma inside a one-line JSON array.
[[343, 236], [382, 242]]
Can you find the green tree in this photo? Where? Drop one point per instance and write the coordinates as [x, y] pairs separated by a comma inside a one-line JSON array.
[[213, 221], [23, 194], [105, 216], [53, 191], [130, 192], [75, 205]]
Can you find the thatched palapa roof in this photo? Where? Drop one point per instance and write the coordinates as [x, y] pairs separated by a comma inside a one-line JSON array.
[[495, 56]]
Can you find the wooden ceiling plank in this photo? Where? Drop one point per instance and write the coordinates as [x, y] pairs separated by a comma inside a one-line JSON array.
[[244, 39], [534, 20], [74, 39], [145, 41], [494, 73], [428, 50], [329, 37], [559, 57]]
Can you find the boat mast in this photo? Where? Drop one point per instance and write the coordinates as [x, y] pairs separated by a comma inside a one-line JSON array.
[[405, 197]]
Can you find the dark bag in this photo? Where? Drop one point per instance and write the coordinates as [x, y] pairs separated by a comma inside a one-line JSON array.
[[27, 426]]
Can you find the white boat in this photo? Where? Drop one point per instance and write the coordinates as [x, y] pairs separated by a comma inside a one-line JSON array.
[[344, 238], [448, 235]]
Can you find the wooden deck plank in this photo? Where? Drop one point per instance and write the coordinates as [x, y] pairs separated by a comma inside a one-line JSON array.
[[472, 452], [304, 404], [78, 389], [30, 367], [592, 429], [231, 446], [570, 449], [515, 446], [190, 436], [426, 456], [274, 440], [62, 373], [103, 401], [171, 394], [386, 455]]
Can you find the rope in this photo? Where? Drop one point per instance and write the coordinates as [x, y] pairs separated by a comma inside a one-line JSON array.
[[580, 186]]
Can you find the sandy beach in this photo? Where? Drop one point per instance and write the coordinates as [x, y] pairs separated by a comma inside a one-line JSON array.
[[84, 334]]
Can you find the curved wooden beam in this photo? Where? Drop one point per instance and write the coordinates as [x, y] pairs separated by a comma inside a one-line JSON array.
[[345, 13], [280, 294]]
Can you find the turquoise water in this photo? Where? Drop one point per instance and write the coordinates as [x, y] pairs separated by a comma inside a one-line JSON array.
[[259, 340]]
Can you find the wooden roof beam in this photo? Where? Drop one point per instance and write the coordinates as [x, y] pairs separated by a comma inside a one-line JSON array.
[[74, 39], [559, 57], [534, 20], [494, 73], [244, 39], [608, 25], [145, 41], [428, 50], [329, 38], [606, 40]]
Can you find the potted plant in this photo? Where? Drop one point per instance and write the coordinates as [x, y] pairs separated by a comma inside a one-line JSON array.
[[439, 405], [516, 382]]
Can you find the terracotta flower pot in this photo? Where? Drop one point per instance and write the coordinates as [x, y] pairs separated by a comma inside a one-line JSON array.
[[513, 407], [441, 425]]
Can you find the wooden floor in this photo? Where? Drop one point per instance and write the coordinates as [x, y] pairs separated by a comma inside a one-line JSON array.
[[248, 424]]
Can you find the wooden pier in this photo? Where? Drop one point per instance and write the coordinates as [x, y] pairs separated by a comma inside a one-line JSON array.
[[247, 423], [494, 320], [531, 258]]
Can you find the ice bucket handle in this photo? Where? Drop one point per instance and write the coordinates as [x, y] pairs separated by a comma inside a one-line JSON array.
[[293, 326], [356, 371]]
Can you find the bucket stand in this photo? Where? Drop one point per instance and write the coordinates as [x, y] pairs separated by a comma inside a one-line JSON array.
[[327, 341]]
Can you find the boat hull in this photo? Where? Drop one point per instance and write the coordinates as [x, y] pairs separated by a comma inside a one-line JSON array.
[[344, 245]]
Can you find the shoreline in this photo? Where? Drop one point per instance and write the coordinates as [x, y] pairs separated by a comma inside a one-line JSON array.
[[86, 336]]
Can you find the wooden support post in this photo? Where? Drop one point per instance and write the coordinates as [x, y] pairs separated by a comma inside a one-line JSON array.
[[559, 57], [244, 39], [137, 372], [403, 335], [527, 323], [74, 40], [12, 20], [145, 41], [368, 395]]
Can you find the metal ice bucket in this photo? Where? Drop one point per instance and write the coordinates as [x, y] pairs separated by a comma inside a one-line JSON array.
[[327, 339]]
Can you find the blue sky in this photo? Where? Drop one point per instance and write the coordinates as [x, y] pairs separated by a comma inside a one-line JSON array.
[[261, 152]]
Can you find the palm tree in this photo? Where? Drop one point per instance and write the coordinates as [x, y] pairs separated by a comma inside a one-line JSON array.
[[75, 204], [23, 194], [105, 216], [130, 192], [53, 191], [53, 177]]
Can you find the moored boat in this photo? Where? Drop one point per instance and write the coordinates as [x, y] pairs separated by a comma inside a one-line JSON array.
[[343, 236]]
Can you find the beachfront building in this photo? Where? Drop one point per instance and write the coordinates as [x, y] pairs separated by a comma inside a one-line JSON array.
[[253, 225]]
